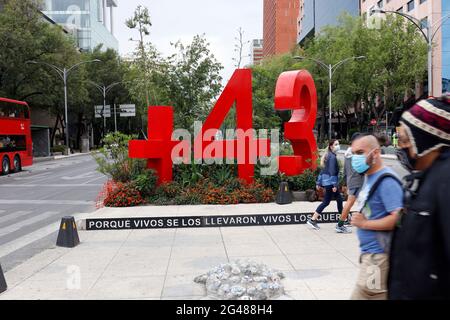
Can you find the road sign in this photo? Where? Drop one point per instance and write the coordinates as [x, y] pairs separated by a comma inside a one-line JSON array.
[[127, 110], [99, 112]]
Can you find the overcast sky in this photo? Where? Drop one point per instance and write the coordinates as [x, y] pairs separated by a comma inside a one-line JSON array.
[[182, 19]]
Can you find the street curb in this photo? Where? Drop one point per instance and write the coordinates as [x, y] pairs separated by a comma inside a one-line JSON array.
[[45, 159]]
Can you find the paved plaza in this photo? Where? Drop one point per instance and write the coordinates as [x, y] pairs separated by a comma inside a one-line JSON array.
[[162, 263]]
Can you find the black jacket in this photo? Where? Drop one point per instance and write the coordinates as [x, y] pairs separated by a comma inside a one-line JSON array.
[[420, 253]]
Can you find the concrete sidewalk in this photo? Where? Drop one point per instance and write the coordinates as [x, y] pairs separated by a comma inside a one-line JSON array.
[[162, 263]]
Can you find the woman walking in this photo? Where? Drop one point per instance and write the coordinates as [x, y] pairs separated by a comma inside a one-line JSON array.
[[329, 179]]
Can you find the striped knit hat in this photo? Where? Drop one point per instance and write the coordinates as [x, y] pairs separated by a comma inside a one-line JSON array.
[[428, 124]]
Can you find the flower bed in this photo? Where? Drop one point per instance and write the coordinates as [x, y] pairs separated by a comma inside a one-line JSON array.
[[132, 184]]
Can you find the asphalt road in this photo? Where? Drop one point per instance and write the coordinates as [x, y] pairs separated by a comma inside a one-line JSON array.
[[38, 197]]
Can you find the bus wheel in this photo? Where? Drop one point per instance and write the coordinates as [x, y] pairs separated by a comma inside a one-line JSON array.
[[5, 165], [17, 164]]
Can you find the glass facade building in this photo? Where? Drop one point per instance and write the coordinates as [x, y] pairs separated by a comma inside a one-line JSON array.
[[316, 14], [85, 20]]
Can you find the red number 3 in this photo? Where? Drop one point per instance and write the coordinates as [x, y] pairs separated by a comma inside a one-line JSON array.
[[295, 90]]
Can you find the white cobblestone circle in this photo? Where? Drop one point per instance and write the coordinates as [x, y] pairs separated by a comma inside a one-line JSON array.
[[243, 280]]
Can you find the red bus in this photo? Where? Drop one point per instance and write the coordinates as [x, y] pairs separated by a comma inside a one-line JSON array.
[[16, 150]]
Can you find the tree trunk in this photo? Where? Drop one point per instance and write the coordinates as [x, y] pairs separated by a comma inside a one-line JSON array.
[[322, 124], [340, 124], [52, 138], [79, 130]]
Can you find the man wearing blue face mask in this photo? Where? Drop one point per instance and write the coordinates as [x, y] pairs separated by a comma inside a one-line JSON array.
[[378, 203]]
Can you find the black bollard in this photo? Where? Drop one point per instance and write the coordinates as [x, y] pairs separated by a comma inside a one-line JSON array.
[[284, 195], [68, 234], [3, 285]]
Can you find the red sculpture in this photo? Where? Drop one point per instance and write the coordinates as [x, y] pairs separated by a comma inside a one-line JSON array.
[[295, 91]]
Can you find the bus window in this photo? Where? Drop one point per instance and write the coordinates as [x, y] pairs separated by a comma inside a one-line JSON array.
[[3, 109], [12, 143], [13, 110]]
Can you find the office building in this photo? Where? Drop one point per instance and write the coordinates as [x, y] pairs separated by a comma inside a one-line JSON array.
[[316, 14], [280, 25], [428, 12], [256, 51], [89, 21]]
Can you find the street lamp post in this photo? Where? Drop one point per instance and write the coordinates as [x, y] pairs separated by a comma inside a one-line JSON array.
[[104, 90], [331, 70], [429, 38], [64, 73]]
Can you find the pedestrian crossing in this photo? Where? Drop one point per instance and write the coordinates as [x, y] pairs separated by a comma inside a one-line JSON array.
[[33, 202], [27, 222], [12, 215]]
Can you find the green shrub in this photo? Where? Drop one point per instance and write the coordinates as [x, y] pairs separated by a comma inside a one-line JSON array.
[[273, 181], [124, 195], [307, 180], [59, 148], [145, 182], [113, 159], [188, 174]]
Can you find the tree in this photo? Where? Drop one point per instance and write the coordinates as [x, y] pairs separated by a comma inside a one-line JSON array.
[[265, 76], [192, 81], [141, 21], [110, 72], [26, 36], [395, 61], [239, 47]]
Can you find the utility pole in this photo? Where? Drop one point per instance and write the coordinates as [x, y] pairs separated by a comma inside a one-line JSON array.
[[331, 70], [64, 73], [104, 90]]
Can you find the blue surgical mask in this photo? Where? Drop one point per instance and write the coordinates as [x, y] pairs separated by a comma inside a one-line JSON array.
[[359, 163]]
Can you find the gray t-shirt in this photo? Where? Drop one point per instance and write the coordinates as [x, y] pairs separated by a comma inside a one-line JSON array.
[[354, 180]]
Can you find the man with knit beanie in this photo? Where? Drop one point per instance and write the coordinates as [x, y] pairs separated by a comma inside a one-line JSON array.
[[420, 252]]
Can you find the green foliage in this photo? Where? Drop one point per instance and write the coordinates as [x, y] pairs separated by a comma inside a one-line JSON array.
[[272, 181], [59, 148], [145, 182], [113, 159], [395, 60], [26, 36], [140, 20], [302, 182], [188, 80], [188, 174], [124, 195], [305, 181]]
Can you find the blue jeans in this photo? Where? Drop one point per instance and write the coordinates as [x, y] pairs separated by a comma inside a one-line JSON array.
[[327, 199]]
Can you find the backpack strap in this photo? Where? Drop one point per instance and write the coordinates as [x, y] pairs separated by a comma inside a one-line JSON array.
[[377, 184]]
